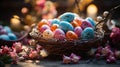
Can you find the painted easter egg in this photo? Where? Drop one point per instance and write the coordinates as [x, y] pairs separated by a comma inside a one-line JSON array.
[[48, 34], [43, 22], [59, 34], [78, 30], [3, 31], [86, 24], [4, 37], [78, 21], [88, 33], [1, 27], [55, 21], [8, 30], [68, 16], [91, 21], [43, 28], [65, 26], [70, 35], [12, 36], [54, 27], [74, 24]]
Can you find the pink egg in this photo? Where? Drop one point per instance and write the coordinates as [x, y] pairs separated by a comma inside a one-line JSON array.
[[78, 30], [59, 34], [86, 24], [43, 28]]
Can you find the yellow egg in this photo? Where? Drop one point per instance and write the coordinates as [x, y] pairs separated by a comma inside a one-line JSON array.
[[48, 34]]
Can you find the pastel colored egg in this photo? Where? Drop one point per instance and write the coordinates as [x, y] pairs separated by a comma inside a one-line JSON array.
[[74, 24], [43, 22], [12, 36], [43, 28], [78, 30], [4, 37], [8, 30], [54, 27], [86, 24], [65, 26], [3, 31], [59, 34], [91, 21], [70, 35], [78, 21], [55, 21], [1, 27], [88, 33], [48, 34], [68, 16]]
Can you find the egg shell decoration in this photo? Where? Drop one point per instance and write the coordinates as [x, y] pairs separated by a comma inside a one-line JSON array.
[[78, 30], [43, 22], [48, 34], [8, 30], [4, 37], [55, 21], [3, 31], [12, 36], [86, 24], [88, 33], [78, 21], [43, 28], [54, 27], [70, 35], [65, 26], [68, 16], [91, 21], [74, 23], [1, 27], [59, 34]]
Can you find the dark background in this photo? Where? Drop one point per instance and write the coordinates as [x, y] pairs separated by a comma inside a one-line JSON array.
[[11, 7]]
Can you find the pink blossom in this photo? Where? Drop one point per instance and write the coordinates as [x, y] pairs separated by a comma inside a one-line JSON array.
[[33, 54], [14, 55], [17, 47]]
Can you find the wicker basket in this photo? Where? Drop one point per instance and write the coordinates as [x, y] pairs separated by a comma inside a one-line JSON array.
[[60, 47]]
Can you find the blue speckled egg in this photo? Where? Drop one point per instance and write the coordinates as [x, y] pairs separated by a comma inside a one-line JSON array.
[[55, 21], [91, 21], [88, 33], [7, 29], [4, 37], [65, 26], [68, 16], [12, 36]]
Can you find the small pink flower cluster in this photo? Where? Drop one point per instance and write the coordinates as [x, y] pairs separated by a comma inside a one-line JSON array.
[[111, 55], [72, 59], [18, 53], [115, 34]]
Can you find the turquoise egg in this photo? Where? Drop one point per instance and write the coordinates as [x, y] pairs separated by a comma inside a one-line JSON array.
[[65, 26], [8, 30], [88, 33], [55, 21], [4, 37], [91, 21], [12, 36], [68, 16]]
